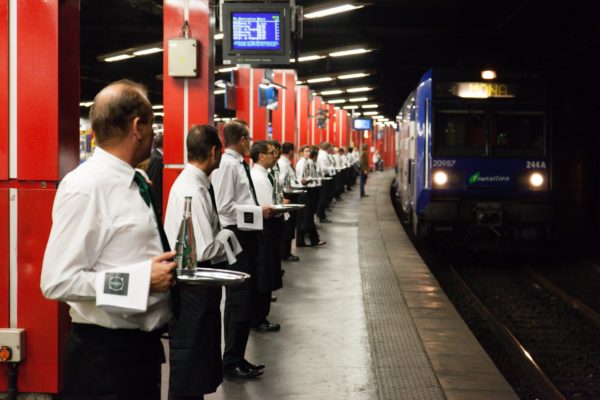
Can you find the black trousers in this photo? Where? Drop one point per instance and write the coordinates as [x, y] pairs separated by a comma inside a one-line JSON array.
[[263, 307], [112, 364], [306, 218], [240, 300]]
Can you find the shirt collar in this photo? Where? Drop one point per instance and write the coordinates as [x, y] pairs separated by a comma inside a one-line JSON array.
[[197, 172], [120, 169], [260, 168], [235, 155]]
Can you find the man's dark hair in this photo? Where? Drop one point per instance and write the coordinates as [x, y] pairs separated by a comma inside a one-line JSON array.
[[158, 141], [200, 140], [112, 114], [275, 143], [257, 148], [314, 152], [304, 148], [287, 147], [341, 150], [325, 146], [234, 131]]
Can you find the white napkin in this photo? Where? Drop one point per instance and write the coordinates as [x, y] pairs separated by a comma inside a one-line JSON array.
[[124, 289], [249, 218], [231, 244]]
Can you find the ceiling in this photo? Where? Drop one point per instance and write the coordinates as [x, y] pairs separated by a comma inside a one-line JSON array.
[[556, 38]]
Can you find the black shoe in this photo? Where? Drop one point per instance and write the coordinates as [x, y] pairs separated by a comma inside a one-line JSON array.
[[266, 326], [241, 372], [253, 367], [292, 257], [364, 195], [326, 221]]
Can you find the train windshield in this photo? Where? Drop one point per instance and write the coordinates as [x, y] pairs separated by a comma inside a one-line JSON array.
[[459, 133], [517, 134]]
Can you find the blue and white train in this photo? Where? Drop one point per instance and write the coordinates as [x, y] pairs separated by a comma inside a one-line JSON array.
[[474, 156]]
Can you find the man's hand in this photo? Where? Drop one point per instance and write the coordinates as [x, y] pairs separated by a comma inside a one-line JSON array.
[[267, 212], [286, 201], [161, 278]]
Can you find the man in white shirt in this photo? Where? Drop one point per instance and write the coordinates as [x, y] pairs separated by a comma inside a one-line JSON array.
[[287, 174], [103, 219], [269, 266], [195, 334], [233, 186]]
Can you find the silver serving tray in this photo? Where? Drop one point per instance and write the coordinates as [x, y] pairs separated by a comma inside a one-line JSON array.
[[288, 207], [294, 191], [210, 277]]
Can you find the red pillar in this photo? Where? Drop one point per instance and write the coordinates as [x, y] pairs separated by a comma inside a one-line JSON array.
[[284, 117], [187, 101], [247, 106], [302, 113], [39, 144]]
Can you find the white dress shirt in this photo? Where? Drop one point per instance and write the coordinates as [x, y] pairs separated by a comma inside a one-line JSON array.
[[324, 163], [302, 171], [285, 170], [262, 184], [194, 183], [231, 186], [101, 222]]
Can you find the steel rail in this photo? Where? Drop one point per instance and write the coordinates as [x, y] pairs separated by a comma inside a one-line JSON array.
[[581, 308], [512, 344]]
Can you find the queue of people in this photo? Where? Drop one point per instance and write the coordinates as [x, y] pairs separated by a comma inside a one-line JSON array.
[[107, 233]]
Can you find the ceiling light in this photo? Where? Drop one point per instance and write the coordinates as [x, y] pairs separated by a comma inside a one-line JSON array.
[[488, 74], [330, 11], [336, 108], [359, 89], [220, 91], [219, 36], [310, 58], [370, 112], [150, 50], [356, 114], [370, 106], [118, 57], [157, 107], [292, 60], [299, 82], [316, 80], [350, 107], [348, 52], [336, 101], [159, 114], [227, 69], [86, 104], [353, 76], [358, 99], [330, 92]]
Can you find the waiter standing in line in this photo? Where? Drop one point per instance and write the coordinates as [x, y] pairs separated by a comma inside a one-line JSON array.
[[286, 177], [233, 186], [103, 219], [269, 267], [196, 367]]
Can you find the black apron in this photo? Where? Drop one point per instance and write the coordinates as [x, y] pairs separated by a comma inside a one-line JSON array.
[[268, 274]]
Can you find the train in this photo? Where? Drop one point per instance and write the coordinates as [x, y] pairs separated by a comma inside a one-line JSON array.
[[474, 156]]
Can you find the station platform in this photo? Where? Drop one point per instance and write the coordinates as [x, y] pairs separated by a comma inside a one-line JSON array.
[[362, 318]]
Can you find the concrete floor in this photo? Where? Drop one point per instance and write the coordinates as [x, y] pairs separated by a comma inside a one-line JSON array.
[[322, 350]]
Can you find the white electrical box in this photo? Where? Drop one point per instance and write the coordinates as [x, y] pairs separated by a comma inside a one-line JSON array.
[[183, 58], [12, 345]]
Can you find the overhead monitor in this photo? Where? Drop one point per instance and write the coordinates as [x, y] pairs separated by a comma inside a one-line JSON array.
[[268, 96], [362, 124], [256, 33]]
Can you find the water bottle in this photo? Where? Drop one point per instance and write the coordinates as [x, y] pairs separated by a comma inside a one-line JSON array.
[[186, 243]]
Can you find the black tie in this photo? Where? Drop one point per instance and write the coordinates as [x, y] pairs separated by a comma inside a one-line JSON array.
[[211, 192], [271, 179], [247, 169]]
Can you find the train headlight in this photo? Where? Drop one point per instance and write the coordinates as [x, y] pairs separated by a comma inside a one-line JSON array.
[[536, 180], [440, 178]]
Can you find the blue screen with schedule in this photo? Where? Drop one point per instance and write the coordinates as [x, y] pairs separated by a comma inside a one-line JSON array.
[[256, 31]]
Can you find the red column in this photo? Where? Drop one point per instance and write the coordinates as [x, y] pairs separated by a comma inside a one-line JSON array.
[[247, 105], [39, 135], [187, 101], [284, 117], [343, 127], [302, 113], [332, 136]]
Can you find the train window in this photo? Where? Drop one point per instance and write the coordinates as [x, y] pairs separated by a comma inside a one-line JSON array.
[[517, 134], [459, 133]]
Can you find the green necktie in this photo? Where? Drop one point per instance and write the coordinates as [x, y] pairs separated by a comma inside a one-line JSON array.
[[143, 188]]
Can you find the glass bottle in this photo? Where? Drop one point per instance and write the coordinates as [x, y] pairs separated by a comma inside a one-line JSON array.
[[277, 189], [186, 242]]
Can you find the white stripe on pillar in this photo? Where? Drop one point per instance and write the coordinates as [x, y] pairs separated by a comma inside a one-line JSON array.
[[12, 89], [12, 296]]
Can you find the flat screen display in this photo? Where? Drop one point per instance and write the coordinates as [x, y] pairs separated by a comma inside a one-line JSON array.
[[256, 31], [268, 97], [361, 124]]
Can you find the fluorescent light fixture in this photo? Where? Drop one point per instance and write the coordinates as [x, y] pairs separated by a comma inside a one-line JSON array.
[[157, 107], [370, 112], [159, 114], [358, 99], [310, 58], [86, 104], [356, 114], [353, 76], [350, 107], [331, 11], [220, 91], [292, 60], [299, 82], [336, 108], [118, 57], [217, 119], [317, 80], [229, 69], [488, 74], [351, 52], [330, 92], [151, 50], [359, 89], [219, 36], [377, 117], [336, 101], [370, 106]]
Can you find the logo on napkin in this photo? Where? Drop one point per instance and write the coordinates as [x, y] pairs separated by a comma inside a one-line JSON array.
[[248, 218], [116, 283]]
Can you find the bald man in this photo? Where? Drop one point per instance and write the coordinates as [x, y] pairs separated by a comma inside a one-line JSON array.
[[103, 219]]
